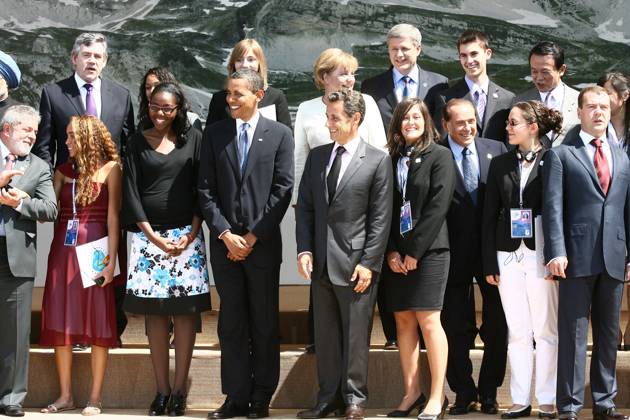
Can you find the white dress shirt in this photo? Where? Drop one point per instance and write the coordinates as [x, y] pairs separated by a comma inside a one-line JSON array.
[[457, 150], [96, 92], [253, 122], [413, 84], [590, 149], [554, 98]]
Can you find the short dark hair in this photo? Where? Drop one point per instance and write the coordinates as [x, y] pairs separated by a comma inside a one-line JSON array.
[[254, 80], [473, 35], [549, 48], [353, 102], [590, 89]]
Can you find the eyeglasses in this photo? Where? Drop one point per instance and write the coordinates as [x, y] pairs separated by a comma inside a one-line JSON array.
[[513, 123], [166, 110]]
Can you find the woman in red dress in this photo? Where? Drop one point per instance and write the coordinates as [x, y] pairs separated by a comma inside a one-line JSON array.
[[88, 188]]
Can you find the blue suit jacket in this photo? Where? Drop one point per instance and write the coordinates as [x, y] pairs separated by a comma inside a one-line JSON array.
[[580, 222]]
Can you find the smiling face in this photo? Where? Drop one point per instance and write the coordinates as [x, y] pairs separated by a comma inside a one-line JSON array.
[[594, 114], [20, 138], [247, 61], [403, 54], [242, 102], [338, 79], [90, 61], [412, 127], [462, 124], [473, 58], [163, 110], [544, 73], [341, 127]]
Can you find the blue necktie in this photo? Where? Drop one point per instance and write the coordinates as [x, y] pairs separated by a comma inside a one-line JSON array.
[[405, 92], [242, 147], [471, 181]]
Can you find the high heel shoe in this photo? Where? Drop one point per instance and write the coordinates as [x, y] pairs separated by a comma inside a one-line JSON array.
[[176, 405], [440, 415], [158, 406], [420, 403]]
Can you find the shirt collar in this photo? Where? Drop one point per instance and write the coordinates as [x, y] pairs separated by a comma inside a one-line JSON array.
[[350, 147], [556, 93], [96, 84], [253, 122], [414, 74], [586, 138], [473, 87], [457, 149]]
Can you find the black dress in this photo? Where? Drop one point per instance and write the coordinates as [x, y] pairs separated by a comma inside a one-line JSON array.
[[430, 186], [218, 109]]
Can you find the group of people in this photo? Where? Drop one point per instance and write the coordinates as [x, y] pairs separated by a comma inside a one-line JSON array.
[[405, 195]]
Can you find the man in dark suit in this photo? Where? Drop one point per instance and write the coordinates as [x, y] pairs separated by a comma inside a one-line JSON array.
[[343, 218], [85, 93], [404, 79], [472, 156], [245, 187], [26, 197], [491, 100], [586, 223]]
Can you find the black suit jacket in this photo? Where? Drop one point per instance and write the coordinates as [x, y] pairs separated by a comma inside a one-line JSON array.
[[464, 218], [218, 108], [62, 100], [502, 194], [381, 88], [499, 102], [430, 185], [254, 203]]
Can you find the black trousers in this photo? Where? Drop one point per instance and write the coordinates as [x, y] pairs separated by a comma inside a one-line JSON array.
[[578, 298], [248, 331], [459, 322]]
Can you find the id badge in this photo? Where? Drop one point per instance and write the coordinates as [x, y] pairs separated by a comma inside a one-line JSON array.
[[405, 217], [72, 232], [521, 221]]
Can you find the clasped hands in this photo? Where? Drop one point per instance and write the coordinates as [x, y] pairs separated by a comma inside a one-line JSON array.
[[170, 247], [399, 265], [239, 247]]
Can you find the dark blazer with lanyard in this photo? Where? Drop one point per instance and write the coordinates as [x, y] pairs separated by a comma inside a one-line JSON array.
[[502, 194]]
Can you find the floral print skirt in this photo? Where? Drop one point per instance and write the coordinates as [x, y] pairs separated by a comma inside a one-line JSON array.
[[158, 283]]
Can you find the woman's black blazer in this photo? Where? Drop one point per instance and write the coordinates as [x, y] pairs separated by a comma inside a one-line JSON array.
[[430, 186], [502, 194]]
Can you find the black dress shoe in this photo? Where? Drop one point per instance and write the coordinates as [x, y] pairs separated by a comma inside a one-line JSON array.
[[228, 410], [258, 410], [320, 411], [12, 411], [391, 345], [176, 405], [158, 406], [309, 348], [462, 407], [610, 414], [420, 403], [515, 414], [489, 405], [440, 415]]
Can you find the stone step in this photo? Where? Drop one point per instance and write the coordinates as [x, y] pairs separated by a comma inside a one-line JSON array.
[[129, 381]]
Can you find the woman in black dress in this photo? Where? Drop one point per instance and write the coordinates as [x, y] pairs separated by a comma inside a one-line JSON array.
[[248, 54], [167, 266], [414, 278]]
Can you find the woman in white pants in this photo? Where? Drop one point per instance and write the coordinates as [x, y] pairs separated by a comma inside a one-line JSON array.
[[513, 205]]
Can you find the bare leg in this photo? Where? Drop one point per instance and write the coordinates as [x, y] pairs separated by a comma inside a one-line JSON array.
[[185, 336], [99, 364], [63, 360], [437, 353], [409, 351], [157, 331]]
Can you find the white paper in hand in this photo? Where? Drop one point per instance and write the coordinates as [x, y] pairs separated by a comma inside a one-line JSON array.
[[92, 258]]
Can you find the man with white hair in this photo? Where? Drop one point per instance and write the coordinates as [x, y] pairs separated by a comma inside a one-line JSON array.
[[26, 197]]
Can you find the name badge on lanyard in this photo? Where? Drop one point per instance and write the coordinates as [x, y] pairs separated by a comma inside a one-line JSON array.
[[405, 217], [521, 222], [72, 228]]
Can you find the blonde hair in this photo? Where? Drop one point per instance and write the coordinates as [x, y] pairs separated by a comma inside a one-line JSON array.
[[240, 49], [329, 60], [93, 146]]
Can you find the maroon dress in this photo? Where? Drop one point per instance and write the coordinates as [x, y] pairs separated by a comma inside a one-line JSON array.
[[72, 314]]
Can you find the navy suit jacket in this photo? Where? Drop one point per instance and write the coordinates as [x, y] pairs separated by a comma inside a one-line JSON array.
[[255, 202], [62, 100], [580, 222]]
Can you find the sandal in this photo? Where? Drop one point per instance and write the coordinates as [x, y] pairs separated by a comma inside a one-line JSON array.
[[58, 407], [92, 409]]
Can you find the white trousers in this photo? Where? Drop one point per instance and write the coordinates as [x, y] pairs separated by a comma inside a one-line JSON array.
[[530, 304]]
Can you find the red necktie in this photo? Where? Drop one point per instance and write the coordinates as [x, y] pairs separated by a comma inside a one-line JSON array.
[[601, 165]]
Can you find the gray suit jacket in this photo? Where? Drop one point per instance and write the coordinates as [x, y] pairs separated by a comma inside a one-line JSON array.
[[579, 222], [352, 229], [21, 227], [568, 109]]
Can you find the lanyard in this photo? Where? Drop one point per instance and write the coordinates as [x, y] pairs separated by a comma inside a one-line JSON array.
[[403, 172], [74, 201]]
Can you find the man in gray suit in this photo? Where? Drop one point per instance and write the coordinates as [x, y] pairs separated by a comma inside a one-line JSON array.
[[344, 212], [586, 223], [26, 197], [546, 63]]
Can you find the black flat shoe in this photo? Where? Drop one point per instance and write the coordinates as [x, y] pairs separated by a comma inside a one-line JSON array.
[[460, 408], [440, 415], [258, 410], [546, 414], [176, 405], [228, 410], [320, 411], [523, 412], [158, 406], [420, 403]]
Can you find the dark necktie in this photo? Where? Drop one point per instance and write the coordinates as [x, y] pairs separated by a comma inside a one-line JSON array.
[[333, 174], [242, 147], [601, 165], [405, 92], [471, 182], [90, 102], [10, 161]]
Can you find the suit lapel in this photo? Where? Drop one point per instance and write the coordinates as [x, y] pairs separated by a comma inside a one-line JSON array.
[[391, 91], [615, 153], [255, 149], [21, 165], [459, 179], [353, 166], [423, 86], [491, 101], [107, 102], [71, 91], [323, 165], [231, 149], [484, 160], [514, 169], [579, 151]]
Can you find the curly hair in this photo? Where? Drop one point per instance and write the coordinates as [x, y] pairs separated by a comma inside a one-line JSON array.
[[93, 147], [536, 112], [395, 138]]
